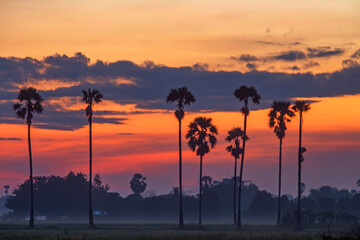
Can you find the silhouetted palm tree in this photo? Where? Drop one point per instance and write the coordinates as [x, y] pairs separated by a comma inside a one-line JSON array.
[[183, 97], [244, 94], [279, 115], [301, 107], [30, 102], [234, 136], [202, 136], [91, 97]]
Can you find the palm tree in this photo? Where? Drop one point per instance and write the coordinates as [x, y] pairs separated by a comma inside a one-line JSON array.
[[30, 102], [244, 94], [279, 115], [183, 97], [202, 136], [301, 107], [91, 97], [234, 136]]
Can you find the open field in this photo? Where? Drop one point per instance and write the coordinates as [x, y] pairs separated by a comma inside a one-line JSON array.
[[157, 231]]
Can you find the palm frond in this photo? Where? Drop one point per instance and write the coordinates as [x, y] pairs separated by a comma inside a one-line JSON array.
[[26, 106], [229, 148], [21, 113], [201, 134], [98, 97], [16, 106], [245, 93], [301, 106], [90, 97], [173, 95], [85, 96], [279, 115]]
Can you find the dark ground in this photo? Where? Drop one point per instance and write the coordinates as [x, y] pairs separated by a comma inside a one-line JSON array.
[[62, 231]]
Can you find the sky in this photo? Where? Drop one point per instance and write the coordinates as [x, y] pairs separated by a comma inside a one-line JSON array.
[[134, 52]]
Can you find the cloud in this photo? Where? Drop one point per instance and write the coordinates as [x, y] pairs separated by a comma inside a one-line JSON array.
[[356, 54], [349, 63], [352, 62], [10, 139], [294, 68], [246, 58], [251, 66], [311, 64], [200, 67], [295, 55], [60, 119], [289, 56], [270, 43], [151, 84], [319, 52]]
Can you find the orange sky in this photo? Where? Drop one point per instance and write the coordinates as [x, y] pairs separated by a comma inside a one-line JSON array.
[[183, 33], [147, 143], [178, 33]]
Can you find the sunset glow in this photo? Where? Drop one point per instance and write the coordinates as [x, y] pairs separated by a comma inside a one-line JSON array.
[[134, 52]]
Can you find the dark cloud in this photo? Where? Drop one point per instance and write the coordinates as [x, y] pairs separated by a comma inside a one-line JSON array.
[[353, 61], [151, 84], [294, 68], [246, 58], [319, 52], [200, 67], [58, 119], [270, 43], [10, 139], [251, 66], [290, 56], [356, 54], [311, 64], [295, 55], [349, 63]]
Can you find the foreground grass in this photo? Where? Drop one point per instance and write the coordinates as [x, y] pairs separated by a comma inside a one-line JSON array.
[[74, 231]]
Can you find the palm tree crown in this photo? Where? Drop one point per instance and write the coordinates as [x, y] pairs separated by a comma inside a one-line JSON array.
[[279, 115], [234, 136], [301, 106], [202, 135], [29, 102], [90, 97], [183, 97], [245, 93]]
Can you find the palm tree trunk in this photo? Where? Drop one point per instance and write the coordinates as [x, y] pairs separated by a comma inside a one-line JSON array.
[[31, 221], [91, 220], [241, 172], [181, 217], [279, 195], [200, 189], [235, 169], [298, 220]]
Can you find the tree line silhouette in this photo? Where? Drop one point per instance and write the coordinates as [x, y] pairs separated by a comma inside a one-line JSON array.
[[62, 199], [201, 138]]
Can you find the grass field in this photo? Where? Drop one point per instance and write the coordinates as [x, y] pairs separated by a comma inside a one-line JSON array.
[[109, 231]]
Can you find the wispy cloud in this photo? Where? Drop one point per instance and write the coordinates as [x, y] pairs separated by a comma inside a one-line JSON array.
[[10, 139], [320, 52], [295, 55]]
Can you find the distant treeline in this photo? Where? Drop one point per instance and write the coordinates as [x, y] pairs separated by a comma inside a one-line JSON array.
[[62, 198]]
